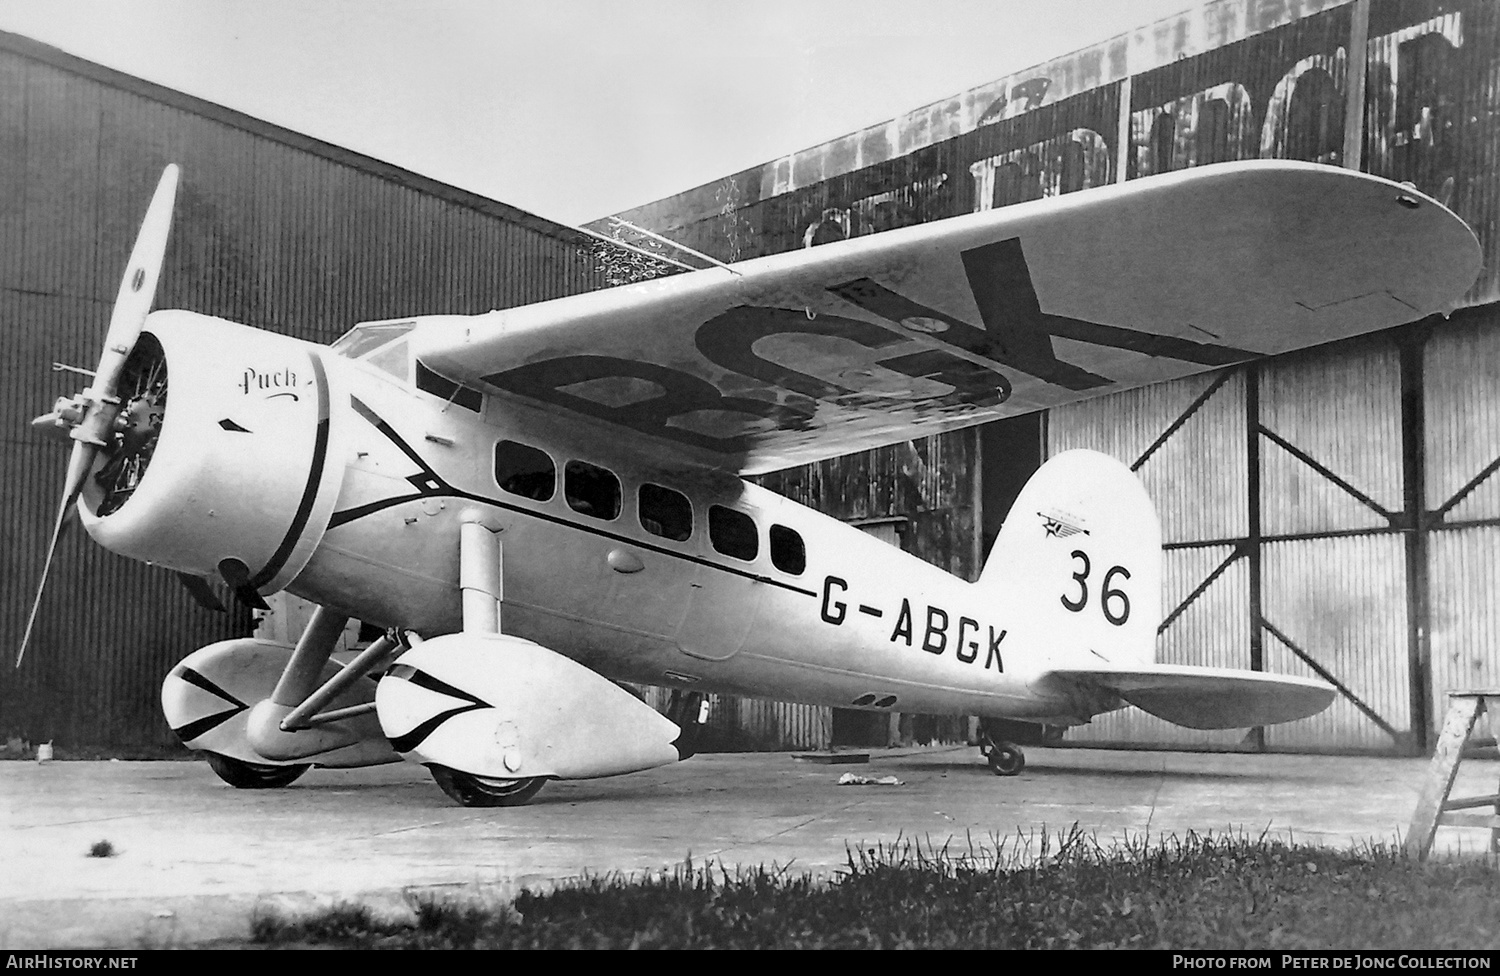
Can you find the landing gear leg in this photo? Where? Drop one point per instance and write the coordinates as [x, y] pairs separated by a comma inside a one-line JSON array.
[[1005, 758]]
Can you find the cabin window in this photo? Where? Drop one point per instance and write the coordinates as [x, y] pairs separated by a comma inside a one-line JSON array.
[[591, 490], [665, 512], [524, 471], [441, 386], [788, 554], [733, 533]]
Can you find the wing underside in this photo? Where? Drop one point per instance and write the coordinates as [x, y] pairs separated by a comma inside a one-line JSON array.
[[846, 346]]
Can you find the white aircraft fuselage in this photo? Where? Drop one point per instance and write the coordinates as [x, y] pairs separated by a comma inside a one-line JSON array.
[[781, 602]]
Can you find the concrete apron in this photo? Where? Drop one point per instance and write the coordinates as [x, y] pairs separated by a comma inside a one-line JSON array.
[[196, 858]]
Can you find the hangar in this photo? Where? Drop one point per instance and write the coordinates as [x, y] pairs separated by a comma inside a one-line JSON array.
[[1331, 513]]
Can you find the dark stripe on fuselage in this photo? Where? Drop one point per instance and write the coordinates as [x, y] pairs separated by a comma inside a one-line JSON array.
[[444, 490], [310, 490]]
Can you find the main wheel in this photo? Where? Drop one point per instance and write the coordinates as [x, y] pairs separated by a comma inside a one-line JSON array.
[[482, 791], [1006, 759], [253, 776]]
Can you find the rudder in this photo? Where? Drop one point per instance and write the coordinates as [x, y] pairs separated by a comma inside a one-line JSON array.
[[1077, 564]]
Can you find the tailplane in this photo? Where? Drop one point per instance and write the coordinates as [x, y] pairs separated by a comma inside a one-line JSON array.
[[1077, 568]]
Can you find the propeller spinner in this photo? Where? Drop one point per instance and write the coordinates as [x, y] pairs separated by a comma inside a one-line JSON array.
[[93, 417]]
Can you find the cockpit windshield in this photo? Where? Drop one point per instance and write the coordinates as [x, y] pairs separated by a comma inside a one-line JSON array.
[[369, 336]]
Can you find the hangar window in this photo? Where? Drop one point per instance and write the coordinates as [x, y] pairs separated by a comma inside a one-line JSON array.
[[788, 554], [733, 533], [665, 512], [591, 490], [430, 382], [524, 471]]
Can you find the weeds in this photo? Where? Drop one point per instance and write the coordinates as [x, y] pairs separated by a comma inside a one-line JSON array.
[[102, 848], [1024, 892]]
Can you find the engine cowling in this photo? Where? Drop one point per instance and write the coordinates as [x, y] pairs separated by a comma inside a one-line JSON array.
[[231, 452]]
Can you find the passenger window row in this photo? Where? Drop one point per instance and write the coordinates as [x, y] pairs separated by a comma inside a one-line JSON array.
[[594, 491]]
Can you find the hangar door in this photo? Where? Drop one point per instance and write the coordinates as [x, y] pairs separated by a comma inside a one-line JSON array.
[[1288, 535]]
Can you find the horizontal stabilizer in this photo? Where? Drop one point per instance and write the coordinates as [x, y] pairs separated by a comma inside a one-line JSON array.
[[1208, 698]]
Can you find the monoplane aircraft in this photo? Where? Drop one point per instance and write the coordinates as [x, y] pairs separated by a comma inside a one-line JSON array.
[[540, 503]]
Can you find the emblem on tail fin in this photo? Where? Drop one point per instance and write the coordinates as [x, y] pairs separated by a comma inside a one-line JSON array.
[[1060, 527]]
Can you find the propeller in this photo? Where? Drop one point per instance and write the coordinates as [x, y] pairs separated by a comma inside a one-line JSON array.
[[91, 418]]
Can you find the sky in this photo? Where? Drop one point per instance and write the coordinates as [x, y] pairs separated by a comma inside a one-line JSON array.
[[575, 109]]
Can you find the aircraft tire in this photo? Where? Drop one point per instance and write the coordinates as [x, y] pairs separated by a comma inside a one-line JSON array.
[[481, 791], [1006, 759], [254, 776]]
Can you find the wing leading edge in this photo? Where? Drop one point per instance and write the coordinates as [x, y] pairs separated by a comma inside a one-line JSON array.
[[820, 352]]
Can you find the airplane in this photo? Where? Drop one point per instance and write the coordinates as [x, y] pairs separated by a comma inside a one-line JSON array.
[[541, 504]]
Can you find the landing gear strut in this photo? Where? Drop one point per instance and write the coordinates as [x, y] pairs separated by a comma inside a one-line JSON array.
[[1005, 758]]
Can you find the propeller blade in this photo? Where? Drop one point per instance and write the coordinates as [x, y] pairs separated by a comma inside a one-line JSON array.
[[93, 427], [138, 288], [79, 464]]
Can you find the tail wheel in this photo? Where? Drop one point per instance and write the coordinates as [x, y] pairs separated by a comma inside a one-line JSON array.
[[1006, 759], [254, 776], [482, 791]]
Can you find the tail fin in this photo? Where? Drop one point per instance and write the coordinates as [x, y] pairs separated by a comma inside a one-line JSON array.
[[1077, 569], [1078, 562]]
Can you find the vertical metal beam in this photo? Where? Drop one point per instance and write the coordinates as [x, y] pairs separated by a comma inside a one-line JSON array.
[[1354, 85], [1122, 131], [1412, 343], [1252, 532], [481, 577]]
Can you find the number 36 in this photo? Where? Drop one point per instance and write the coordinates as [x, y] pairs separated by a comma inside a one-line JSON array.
[[1113, 601]]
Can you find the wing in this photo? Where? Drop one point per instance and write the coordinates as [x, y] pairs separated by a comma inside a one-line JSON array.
[[1206, 698], [824, 351]]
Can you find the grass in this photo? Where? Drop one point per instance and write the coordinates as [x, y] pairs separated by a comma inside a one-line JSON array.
[[1068, 891]]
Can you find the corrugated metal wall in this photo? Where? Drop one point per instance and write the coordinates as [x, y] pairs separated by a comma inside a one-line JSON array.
[[272, 229], [1462, 499]]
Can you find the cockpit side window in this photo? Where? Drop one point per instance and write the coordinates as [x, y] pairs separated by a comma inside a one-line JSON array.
[[441, 386], [394, 359]]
